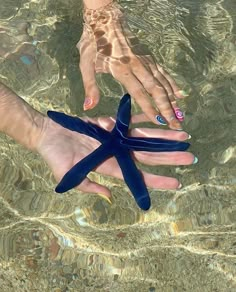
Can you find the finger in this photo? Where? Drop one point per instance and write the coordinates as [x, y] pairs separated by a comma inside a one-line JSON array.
[[163, 80], [89, 186], [151, 180], [87, 68], [166, 81], [159, 95], [139, 118], [165, 158], [136, 90], [160, 133], [152, 159], [108, 124], [160, 182], [142, 118], [177, 92], [170, 86]]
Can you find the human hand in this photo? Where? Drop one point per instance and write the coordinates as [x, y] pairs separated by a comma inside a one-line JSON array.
[[62, 149], [108, 46]]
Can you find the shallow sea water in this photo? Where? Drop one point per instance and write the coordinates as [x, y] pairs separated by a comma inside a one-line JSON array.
[[77, 242]]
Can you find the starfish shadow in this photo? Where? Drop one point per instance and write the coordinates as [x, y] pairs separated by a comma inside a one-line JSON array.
[[115, 143]]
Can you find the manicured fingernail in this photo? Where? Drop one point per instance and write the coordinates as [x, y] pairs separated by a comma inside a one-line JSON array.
[[180, 186], [175, 125], [184, 93], [27, 60], [195, 160], [87, 103], [105, 198], [34, 43], [179, 114], [189, 137], [161, 120]]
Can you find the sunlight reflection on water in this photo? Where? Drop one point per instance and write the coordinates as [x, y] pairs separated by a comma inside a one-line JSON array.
[[77, 242]]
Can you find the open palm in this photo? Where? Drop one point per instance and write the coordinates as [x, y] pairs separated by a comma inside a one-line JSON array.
[[62, 149]]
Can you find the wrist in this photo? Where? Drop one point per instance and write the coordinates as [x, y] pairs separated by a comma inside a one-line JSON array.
[[19, 120], [36, 131], [106, 15], [96, 4]]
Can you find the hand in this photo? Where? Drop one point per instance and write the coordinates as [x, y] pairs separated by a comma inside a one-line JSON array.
[[62, 149], [108, 46]]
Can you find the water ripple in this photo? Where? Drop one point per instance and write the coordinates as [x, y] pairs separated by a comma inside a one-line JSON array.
[[77, 242]]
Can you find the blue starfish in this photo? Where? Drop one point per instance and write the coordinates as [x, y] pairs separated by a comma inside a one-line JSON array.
[[115, 143]]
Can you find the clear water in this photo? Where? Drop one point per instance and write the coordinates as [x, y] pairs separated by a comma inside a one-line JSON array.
[[78, 242]]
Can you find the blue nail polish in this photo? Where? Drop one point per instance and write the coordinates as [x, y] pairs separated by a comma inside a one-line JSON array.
[[161, 120], [34, 43], [26, 60]]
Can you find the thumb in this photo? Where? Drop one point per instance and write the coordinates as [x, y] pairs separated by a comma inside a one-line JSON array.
[[87, 68], [89, 186]]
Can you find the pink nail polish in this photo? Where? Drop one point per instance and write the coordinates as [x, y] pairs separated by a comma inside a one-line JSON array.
[[87, 103], [179, 114]]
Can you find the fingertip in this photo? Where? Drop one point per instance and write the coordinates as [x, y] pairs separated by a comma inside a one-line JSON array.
[[179, 114], [88, 103], [176, 185], [195, 160], [179, 186], [182, 136], [92, 93], [89, 186], [181, 94], [161, 121], [174, 124], [105, 197], [103, 192]]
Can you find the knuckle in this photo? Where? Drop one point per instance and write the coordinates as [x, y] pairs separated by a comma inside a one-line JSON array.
[[139, 92], [135, 62], [149, 79], [160, 90], [121, 70], [161, 70]]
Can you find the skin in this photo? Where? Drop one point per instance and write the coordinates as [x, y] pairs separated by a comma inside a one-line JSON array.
[[38, 133], [108, 46]]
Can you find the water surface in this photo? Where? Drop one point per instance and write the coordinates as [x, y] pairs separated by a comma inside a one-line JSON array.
[[78, 242]]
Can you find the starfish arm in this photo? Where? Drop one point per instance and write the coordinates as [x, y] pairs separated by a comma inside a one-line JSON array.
[[99, 133], [123, 116], [133, 179], [153, 144], [78, 125], [80, 170]]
